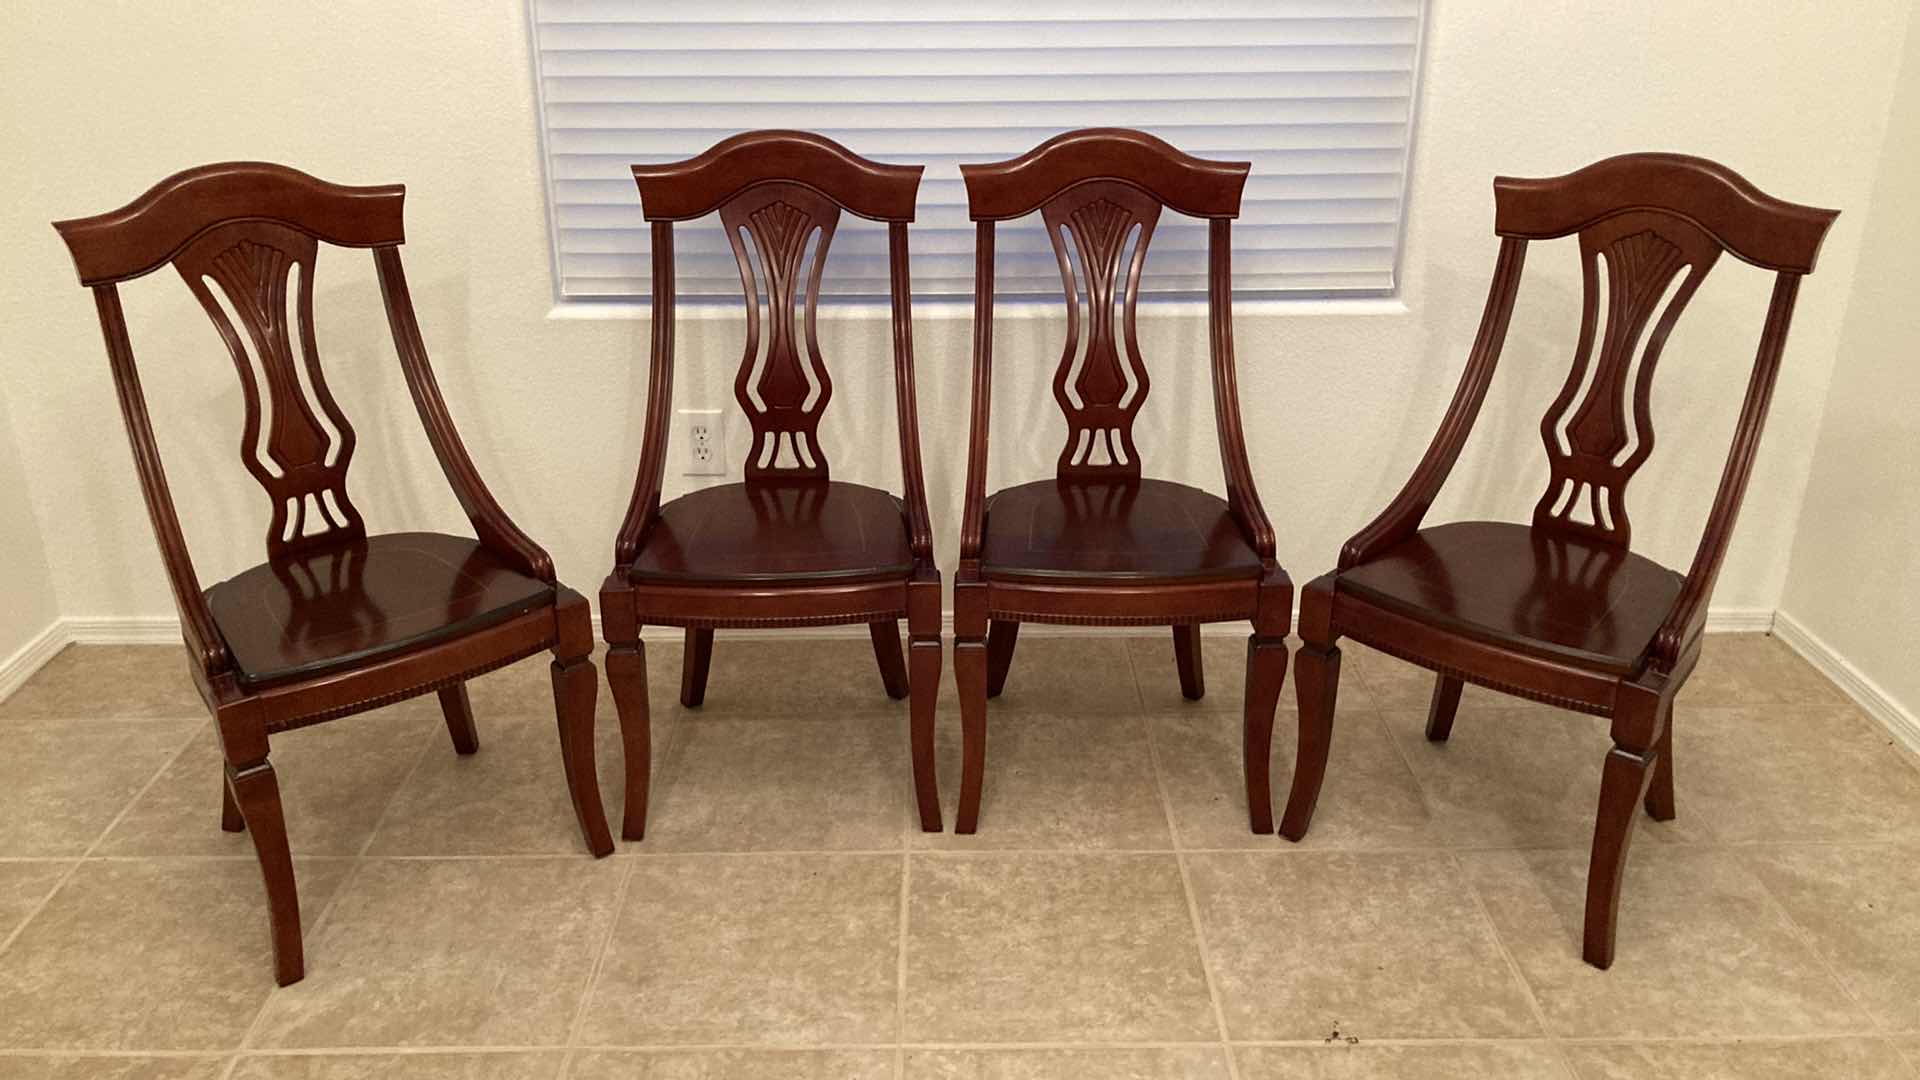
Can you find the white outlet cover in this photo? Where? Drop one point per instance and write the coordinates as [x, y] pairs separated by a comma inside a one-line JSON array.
[[715, 422]]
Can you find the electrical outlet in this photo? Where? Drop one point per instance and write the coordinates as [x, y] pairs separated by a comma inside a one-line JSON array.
[[705, 441]]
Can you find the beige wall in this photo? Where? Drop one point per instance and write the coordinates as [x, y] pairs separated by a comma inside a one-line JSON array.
[[1855, 580], [28, 608], [103, 100]]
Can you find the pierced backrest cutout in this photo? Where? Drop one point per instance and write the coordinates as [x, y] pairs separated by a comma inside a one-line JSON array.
[[1599, 430], [780, 233], [255, 280], [1100, 192], [1100, 232]]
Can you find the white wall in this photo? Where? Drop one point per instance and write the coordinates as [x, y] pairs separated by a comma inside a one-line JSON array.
[[103, 100], [29, 607], [1855, 581]]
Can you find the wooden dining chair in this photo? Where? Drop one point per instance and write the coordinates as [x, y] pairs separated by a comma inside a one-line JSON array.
[[1099, 544], [1561, 610], [336, 621], [788, 547]]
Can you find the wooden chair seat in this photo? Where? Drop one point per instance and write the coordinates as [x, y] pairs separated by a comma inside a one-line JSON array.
[[1555, 596], [1132, 530], [766, 532], [338, 609]]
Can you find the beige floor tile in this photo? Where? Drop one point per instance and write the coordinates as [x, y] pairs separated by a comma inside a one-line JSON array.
[[1754, 669], [335, 780], [792, 784], [1058, 782], [1055, 948], [1393, 683], [462, 952], [781, 675], [1447, 1061], [733, 1065], [62, 785], [1369, 799], [96, 682], [1859, 908], [149, 955], [1053, 673], [511, 1065], [1703, 951], [1223, 669], [1372, 945], [508, 799], [23, 885], [788, 949], [1823, 1059], [1166, 1063], [99, 1067], [1794, 772], [1516, 776]]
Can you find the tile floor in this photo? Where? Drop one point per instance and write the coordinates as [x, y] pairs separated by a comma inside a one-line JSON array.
[[1113, 917]]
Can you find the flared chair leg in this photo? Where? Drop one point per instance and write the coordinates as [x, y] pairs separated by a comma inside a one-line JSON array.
[[256, 791], [1446, 700], [627, 678], [1002, 635], [1186, 657], [1316, 682], [1638, 726], [970, 667], [886, 652], [459, 714], [575, 686], [1266, 673], [694, 662], [1659, 801], [925, 655]]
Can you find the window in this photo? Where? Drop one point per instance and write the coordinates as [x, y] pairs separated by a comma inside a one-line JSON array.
[[1318, 94]]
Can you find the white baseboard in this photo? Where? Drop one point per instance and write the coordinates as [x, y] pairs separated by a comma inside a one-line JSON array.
[[121, 629], [27, 659], [1870, 696], [1739, 620]]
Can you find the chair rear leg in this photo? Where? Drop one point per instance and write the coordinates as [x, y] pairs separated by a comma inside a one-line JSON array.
[[1002, 634], [886, 651], [1446, 699], [459, 713], [694, 662], [575, 686], [231, 819], [1266, 673], [1186, 656], [1316, 684], [1659, 801], [255, 790], [627, 677]]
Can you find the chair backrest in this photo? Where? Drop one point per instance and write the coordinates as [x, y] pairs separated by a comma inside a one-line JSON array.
[[779, 195], [244, 236], [1650, 228], [1100, 193]]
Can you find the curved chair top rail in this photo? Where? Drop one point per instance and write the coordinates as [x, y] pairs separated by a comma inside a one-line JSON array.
[[1015, 188], [1753, 225], [148, 232], [696, 187]]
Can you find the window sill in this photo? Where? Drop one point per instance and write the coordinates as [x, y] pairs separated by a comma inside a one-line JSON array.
[[1321, 306]]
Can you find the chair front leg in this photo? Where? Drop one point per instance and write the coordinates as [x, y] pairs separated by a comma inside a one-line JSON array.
[[886, 652], [459, 715], [575, 687], [627, 677], [1266, 673], [256, 791], [1639, 720], [1659, 800], [970, 679], [923, 627]]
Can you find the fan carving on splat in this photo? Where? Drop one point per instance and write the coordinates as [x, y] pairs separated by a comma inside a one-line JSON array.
[[1596, 442], [1099, 235], [242, 275], [783, 396]]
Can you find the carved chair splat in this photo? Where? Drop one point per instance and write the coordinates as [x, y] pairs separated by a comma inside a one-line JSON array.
[[789, 546], [336, 621], [1099, 543], [1561, 610]]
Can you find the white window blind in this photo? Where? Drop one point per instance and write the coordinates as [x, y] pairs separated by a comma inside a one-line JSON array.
[[1317, 94]]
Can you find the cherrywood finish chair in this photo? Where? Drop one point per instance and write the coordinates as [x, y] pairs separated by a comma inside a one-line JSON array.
[[789, 547], [1098, 544], [1561, 610], [336, 621]]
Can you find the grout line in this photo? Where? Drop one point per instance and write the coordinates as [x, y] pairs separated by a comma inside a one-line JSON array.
[[1506, 953], [900, 976], [1193, 906], [598, 965], [1801, 935]]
